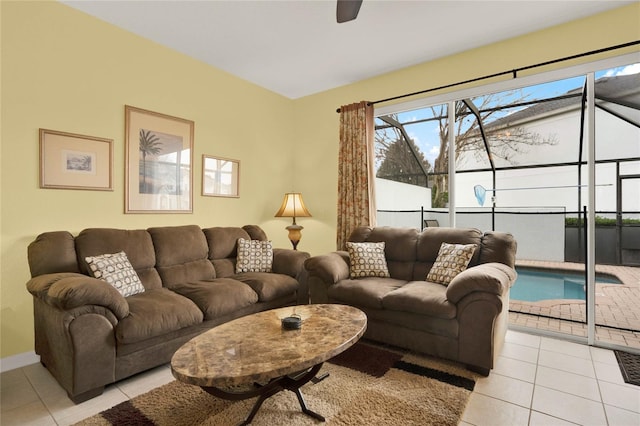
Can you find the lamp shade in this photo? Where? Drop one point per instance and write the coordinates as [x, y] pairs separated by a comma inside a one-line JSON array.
[[292, 206]]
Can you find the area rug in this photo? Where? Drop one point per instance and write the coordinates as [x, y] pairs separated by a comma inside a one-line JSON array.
[[367, 385], [629, 367]]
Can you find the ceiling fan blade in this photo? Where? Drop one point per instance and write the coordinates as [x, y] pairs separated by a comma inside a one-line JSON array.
[[347, 10]]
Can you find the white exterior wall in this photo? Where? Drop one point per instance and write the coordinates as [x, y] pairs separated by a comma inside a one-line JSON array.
[[397, 196], [614, 139], [391, 195]]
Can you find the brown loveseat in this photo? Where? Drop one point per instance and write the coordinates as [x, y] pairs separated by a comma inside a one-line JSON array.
[[464, 321], [89, 335]]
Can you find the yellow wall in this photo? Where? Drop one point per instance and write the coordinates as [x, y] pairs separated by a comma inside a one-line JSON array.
[[67, 71], [64, 70]]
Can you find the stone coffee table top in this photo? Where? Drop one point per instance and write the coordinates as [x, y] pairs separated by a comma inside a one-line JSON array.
[[256, 348]]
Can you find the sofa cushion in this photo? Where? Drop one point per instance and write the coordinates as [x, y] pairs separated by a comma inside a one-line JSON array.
[[181, 253], [254, 256], [218, 297], [52, 252], [367, 260], [452, 259], [255, 232], [268, 285], [367, 292], [117, 271], [136, 243], [420, 297], [154, 313], [223, 248]]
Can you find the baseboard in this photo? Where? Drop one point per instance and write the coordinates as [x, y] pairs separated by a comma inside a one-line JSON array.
[[18, 361]]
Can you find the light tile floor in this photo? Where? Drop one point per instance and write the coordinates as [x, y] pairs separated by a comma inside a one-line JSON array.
[[537, 381]]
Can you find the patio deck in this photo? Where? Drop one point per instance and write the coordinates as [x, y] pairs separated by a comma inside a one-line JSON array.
[[617, 307]]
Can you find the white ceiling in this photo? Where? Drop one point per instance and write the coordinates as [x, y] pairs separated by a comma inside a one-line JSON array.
[[296, 48]]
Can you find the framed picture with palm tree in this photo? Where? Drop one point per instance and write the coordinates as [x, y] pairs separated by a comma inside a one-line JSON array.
[[159, 158], [73, 161]]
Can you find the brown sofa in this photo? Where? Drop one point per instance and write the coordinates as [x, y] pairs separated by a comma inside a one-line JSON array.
[[88, 335], [464, 321]]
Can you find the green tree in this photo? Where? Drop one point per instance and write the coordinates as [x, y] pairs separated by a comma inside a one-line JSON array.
[[401, 165], [398, 157], [149, 145]]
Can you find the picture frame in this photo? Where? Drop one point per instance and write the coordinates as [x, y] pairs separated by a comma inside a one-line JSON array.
[[158, 162], [220, 177], [74, 161]]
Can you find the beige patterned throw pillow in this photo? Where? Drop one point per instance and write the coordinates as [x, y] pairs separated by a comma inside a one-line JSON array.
[[254, 256], [117, 271], [367, 260], [452, 259]]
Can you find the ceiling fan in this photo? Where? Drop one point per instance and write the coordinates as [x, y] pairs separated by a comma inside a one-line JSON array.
[[347, 10]]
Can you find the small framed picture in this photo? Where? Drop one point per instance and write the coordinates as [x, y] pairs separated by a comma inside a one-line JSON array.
[[72, 161], [158, 161], [220, 177]]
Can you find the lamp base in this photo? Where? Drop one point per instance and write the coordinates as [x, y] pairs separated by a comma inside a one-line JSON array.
[[294, 235]]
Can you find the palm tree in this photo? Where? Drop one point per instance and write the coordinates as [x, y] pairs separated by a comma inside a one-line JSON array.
[[149, 144]]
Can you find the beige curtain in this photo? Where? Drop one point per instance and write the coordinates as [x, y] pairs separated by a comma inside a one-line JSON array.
[[356, 196]]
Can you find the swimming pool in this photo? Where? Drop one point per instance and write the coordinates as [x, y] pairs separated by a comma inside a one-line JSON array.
[[533, 285]]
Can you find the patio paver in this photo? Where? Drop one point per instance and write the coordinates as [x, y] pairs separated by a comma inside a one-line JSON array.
[[617, 306]]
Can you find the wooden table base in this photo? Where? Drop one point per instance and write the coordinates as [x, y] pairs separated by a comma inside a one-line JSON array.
[[291, 382]]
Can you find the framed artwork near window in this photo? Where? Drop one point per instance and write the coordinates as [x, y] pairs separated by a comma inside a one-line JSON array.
[[158, 162], [72, 161], [220, 177]]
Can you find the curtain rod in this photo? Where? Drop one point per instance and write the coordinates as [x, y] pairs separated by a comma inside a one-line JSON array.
[[514, 72]]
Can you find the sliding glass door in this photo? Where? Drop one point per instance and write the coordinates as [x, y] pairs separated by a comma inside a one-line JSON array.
[[617, 205], [524, 161]]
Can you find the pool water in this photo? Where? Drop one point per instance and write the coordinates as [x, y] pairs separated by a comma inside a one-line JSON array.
[[534, 285]]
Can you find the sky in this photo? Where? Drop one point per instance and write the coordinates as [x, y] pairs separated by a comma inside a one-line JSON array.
[[426, 136]]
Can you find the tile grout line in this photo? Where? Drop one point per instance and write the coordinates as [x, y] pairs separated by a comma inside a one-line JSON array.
[[604, 409], [46, 407]]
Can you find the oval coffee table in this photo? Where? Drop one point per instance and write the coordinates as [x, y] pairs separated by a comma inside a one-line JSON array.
[[256, 349]]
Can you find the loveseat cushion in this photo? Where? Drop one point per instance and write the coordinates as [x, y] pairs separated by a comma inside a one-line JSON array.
[[430, 241], [154, 313], [366, 292], [400, 247], [452, 259], [268, 285], [367, 260], [217, 297], [420, 297], [498, 247]]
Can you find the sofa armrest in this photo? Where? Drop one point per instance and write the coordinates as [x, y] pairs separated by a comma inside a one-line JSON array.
[[330, 268], [494, 278], [72, 290], [289, 262]]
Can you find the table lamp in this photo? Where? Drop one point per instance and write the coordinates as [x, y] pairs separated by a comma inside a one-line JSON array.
[[293, 206]]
